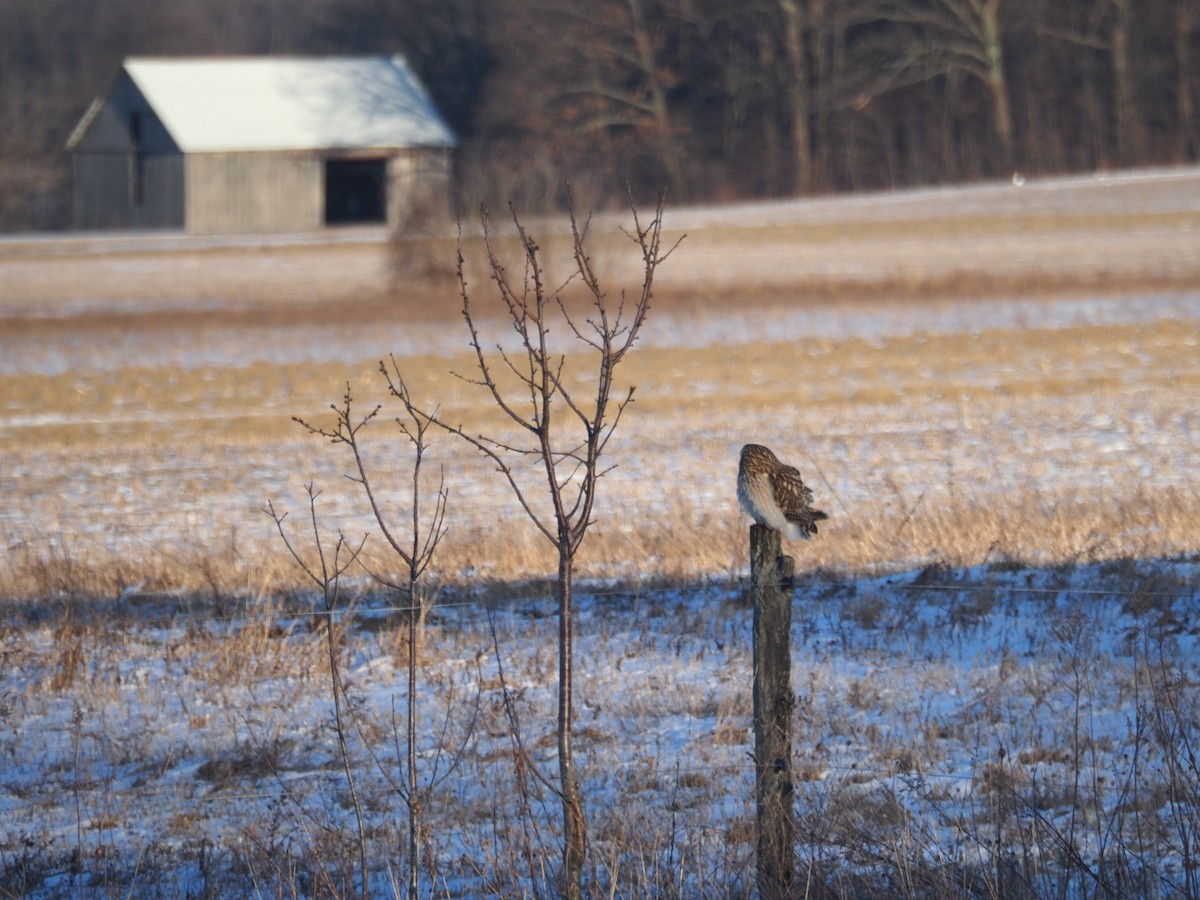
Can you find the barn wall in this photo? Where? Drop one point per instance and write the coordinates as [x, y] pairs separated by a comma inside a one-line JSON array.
[[160, 204], [101, 191], [419, 184], [254, 192], [120, 182], [129, 172]]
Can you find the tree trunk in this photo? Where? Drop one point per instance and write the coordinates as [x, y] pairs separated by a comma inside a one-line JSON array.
[[664, 133], [1125, 111], [772, 182], [799, 102], [771, 591], [989, 14], [414, 805], [574, 825], [1188, 142]]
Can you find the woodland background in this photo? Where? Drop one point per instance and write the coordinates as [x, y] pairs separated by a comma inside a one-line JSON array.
[[713, 99]]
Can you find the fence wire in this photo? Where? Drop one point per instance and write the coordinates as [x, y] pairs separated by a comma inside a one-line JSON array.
[[358, 607], [729, 589]]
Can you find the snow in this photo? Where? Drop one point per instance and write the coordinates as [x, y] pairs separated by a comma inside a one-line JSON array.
[[216, 344], [280, 103], [924, 692], [982, 717], [1157, 191]]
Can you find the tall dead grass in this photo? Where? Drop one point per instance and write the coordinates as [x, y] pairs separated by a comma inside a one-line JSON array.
[[1048, 445]]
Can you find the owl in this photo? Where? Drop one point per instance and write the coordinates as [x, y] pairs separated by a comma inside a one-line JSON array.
[[774, 495]]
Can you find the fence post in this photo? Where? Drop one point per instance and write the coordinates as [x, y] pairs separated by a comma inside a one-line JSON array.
[[771, 592]]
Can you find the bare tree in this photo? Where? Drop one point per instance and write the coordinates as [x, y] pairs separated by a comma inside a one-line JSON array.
[[325, 572], [416, 555], [1107, 27], [599, 76], [562, 436], [1187, 83], [715, 100], [797, 21], [943, 38]]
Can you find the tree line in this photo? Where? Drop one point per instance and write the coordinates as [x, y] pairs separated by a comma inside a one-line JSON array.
[[710, 99]]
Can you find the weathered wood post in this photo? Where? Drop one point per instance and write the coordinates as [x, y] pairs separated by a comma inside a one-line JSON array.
[[771, 576]]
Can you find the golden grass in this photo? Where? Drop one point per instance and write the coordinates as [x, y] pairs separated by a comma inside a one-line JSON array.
[[1046, 443], [1042, 444], [1099, 236]]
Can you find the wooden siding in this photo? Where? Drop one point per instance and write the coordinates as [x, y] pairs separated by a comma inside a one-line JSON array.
[[159, 203], [122, 190], [130, 172], [101, 192], [254, 192], [123, 179], [419, 184], [207, 193]]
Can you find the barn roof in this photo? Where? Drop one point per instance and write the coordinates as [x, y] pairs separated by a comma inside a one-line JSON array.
[[288, 103]]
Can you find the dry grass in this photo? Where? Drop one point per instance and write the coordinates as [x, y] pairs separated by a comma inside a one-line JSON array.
[[1039, 443], [927, 747], [940, 745], [1046, 444]]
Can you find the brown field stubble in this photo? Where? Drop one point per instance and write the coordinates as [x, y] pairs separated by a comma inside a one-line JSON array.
[[1047, 442], [130, 464], [953, 448]]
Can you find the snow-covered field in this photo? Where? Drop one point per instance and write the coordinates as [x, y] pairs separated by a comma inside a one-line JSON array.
[[994, 642], [1025, 732]]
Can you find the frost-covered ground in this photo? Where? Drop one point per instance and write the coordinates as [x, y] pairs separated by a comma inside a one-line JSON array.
[[887, 407], [1006, 728], [1026, 730], [1094, 231]]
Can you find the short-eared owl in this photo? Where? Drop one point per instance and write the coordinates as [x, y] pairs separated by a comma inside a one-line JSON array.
[[774, 495]]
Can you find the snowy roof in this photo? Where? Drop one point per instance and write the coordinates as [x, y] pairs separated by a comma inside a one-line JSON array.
[[284, 103]]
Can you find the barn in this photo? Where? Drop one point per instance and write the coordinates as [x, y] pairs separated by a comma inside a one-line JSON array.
[[267, 144]]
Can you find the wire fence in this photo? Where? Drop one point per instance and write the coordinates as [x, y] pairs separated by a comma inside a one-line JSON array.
[[366, 605], [1185, 589]]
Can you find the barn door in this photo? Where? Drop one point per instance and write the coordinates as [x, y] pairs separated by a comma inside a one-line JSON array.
[[355, 191]]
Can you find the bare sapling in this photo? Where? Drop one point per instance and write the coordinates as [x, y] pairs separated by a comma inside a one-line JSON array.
[[416, 554], [554, 432], [325, 572]]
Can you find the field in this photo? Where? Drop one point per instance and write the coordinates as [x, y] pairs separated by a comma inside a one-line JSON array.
[[993, 391]]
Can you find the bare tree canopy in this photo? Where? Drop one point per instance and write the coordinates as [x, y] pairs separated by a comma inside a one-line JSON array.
[[710, 100], [552, 430]]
